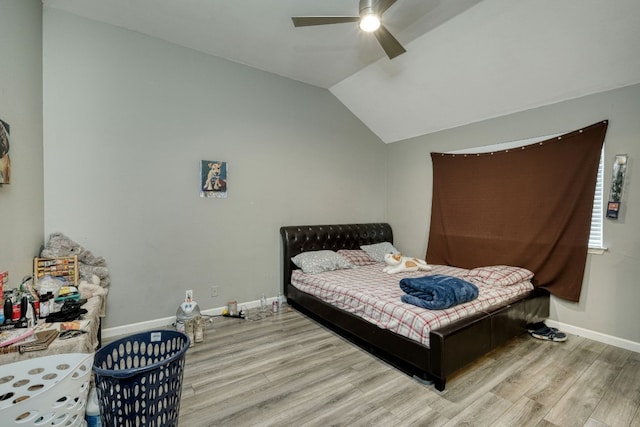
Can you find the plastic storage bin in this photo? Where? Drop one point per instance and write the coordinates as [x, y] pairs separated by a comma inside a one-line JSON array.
[[45, 391], [139, 379]]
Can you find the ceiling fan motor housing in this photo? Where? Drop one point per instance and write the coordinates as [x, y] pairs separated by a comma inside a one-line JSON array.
[[369, 19], [366, 8]]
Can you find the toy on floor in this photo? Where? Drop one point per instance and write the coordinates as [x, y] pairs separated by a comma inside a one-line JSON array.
[[396, 263], [189, 320]]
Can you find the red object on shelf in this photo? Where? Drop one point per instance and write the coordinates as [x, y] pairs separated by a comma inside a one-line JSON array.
[[15, 315]]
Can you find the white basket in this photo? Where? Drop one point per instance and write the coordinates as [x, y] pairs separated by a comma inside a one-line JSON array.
[[46, 391]]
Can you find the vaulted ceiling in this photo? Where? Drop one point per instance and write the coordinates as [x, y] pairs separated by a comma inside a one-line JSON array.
[[466, 60]]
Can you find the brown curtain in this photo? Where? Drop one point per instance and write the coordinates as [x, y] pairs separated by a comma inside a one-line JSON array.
[[529, 207]]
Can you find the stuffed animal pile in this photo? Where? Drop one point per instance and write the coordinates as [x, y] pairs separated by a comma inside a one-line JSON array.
[[89, 265], [396, 263]]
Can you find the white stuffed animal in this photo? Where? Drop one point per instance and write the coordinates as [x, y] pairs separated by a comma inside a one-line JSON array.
[[396, 263]]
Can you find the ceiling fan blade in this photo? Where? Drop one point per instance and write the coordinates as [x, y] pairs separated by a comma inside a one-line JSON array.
[[306, 21], [383, 5], [391, 46]]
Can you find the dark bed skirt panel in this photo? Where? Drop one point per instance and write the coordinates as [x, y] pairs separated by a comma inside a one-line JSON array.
[[395, 349], [458, 344]]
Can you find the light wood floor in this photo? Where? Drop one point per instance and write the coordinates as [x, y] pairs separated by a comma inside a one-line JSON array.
[[287, 370]]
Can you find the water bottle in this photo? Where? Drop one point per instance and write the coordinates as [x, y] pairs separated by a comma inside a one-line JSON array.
[[263, 303], [92, 412]]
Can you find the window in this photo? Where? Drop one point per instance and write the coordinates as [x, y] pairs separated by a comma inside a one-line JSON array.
[[595, 238]]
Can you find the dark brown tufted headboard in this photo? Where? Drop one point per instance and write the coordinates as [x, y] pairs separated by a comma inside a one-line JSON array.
[[305, 238]]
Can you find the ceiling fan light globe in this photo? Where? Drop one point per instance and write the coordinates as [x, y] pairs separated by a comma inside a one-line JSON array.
[[369, 22]]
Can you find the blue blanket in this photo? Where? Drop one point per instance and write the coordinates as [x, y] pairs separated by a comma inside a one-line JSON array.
[[437, 292]]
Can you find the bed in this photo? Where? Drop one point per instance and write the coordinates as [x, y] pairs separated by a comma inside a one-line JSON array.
[[444, 349]]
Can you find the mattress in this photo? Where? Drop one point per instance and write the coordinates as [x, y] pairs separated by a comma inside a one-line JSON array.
[[373, 295]]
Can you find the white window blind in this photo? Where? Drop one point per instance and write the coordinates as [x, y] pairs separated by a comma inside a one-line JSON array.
[[596, 235]]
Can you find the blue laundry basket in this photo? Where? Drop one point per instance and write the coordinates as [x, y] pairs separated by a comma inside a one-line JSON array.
[[139, 379]]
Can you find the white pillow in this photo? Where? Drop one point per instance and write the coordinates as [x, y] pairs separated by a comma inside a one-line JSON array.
[[318, 261], [377, 251]]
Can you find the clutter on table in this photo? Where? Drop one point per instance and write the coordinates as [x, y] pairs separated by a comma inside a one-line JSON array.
[[50, 299]]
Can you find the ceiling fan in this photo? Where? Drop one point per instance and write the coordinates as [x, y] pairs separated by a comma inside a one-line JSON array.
[[369, 20]]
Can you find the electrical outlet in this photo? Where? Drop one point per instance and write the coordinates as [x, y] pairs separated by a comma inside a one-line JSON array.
[[214, 291]]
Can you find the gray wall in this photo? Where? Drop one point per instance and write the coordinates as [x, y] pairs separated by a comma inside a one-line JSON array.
[[128, 119], [608, 304], [21, 202]]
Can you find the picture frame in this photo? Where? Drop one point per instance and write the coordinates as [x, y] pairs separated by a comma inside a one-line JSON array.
[[213, 179], [5, 160]]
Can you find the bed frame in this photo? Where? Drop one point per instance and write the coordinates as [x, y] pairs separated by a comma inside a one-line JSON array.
[[451, 347]]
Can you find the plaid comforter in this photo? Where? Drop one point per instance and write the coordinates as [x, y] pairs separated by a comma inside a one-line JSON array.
[[375, 296]]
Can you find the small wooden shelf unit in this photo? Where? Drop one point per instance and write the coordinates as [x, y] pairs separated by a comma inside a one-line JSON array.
[[64, 268]]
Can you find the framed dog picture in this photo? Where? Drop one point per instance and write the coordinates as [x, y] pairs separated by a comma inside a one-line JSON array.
[[213, 179], [5, 161]]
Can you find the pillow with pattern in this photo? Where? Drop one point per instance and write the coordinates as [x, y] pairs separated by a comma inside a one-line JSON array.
[[318, 261], [357, 257], [499, 275], [377, 251]]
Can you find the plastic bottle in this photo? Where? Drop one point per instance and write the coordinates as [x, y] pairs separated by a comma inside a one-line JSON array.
[[31, 316], [92, 412], [44, 306], [281, 300]]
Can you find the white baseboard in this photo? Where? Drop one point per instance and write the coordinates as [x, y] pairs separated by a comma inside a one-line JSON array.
[[164, 322], [596, 336]]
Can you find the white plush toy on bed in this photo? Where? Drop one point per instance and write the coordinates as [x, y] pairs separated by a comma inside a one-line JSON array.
[[396, 263]]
